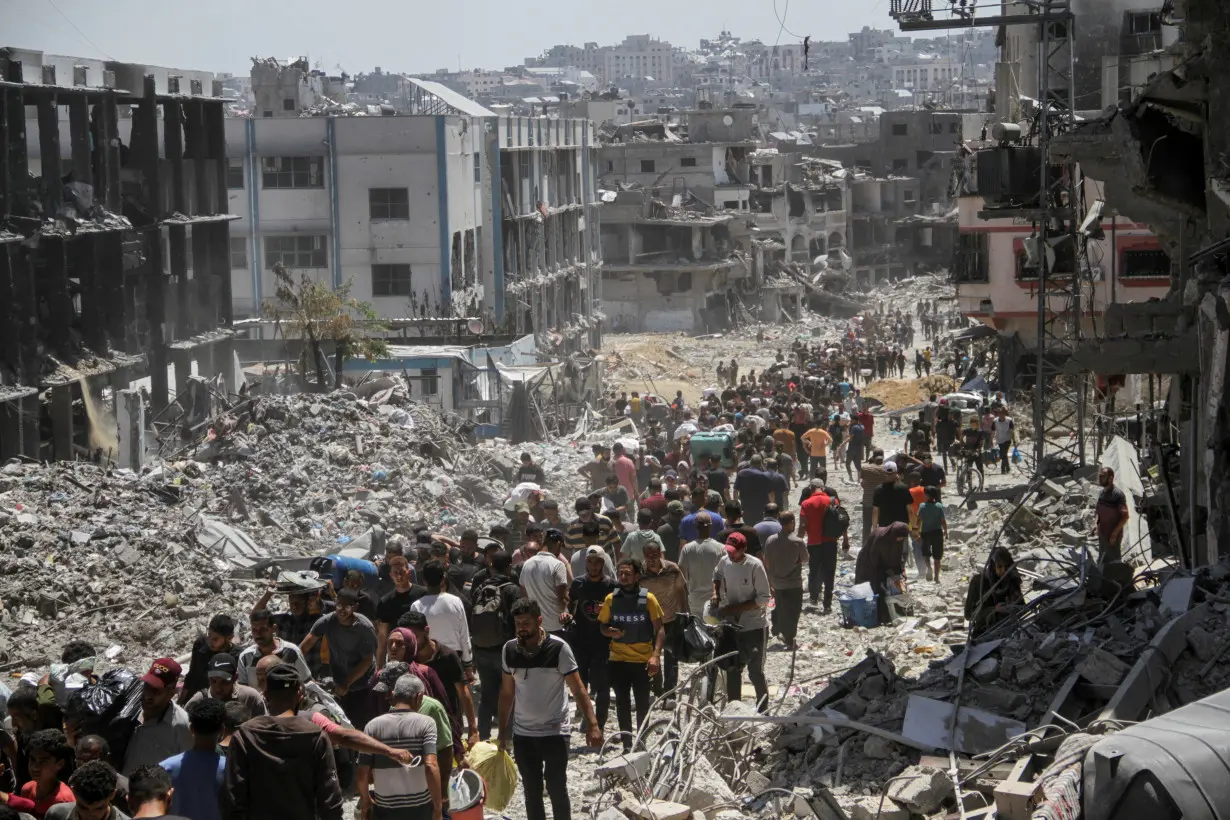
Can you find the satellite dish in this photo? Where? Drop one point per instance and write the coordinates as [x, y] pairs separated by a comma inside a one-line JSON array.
[[475, 326], [728, 120]]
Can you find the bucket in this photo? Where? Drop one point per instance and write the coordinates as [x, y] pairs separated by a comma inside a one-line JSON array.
[[859, 612], [466, 795]]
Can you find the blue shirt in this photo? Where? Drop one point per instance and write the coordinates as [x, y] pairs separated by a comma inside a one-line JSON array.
[[930, 516], [197, 779], [845, 388], [687, 527]]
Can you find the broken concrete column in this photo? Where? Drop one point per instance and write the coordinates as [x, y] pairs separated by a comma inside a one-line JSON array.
[[62, 421], [130, 419], [181, 360], [226, 362], [199, 404]]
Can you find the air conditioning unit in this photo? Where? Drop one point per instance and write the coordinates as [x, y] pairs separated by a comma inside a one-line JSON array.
[[1011, 174]]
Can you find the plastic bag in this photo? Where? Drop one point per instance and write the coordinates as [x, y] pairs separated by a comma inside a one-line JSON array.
[[1017, 458], [498, 772], [695, 642], [111, 708]]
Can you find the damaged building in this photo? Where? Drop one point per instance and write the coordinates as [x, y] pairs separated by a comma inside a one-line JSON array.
[[114, 240], [675, 236], [448, 214]]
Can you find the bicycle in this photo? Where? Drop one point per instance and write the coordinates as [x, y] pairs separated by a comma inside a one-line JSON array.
[[970, 478]]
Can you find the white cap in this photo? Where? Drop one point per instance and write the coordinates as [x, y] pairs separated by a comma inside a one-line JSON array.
[[595, 551], [890, 468]]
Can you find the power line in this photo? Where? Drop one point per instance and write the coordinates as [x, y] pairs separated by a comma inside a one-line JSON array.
[[781, 19], [84, 36]]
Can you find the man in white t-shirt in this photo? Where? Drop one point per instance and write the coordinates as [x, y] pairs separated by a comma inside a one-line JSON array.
[[1004, 431]]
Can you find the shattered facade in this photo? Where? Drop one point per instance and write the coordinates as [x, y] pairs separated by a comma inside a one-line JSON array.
[[427, 216], [114, 238]]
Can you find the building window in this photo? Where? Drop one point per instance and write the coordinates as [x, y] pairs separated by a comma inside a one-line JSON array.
[[901, 166], [907, 196], [1145, 264], [687, 162], [610, 166], [430, 381], [478, 167], [268, 115], [234, 174], [1144, 22], [901, 129], [389, 203], [288, 104], [954, 127], [293, 172], [390, 280], [973, 250], [647, 166], [937, 127], [298, 251], [239, 252]]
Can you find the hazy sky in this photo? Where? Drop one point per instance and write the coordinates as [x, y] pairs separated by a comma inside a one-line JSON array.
[[410, 36]]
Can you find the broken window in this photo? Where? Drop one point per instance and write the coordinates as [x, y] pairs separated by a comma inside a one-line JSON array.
[[731, 204], [391, 280], [973, 250], [389, 203], [234, 174], [298, 251], [288, 104], [687, 162], [647, 166], [292, 172], [907, 196], [239, 252], [901, 129], [798, 206], [923, 157], [937, 127], [1145, 264], [429, 381], [954, 127], [1144, 22], [901, 166]]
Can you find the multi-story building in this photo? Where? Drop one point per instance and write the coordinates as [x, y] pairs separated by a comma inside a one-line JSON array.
[[480, 83], [113, 245], [639, 56], [415, 213], [935, 77]]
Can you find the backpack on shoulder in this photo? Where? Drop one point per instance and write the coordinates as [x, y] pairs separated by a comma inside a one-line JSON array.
[[492, 624], [836, 521]]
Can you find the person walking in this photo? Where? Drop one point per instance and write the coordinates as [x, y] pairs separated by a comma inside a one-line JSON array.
[[352, 653], [539, 671], [821, 545], [491, 628], [1110, 517], [933, 525], [784, 556], [698, 560], [665, 581], [387, 789], [740, 595], [632, 618], [584, 633], [1004, 430]]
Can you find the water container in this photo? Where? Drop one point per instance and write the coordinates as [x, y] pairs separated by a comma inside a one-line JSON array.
[[466, 793], [704, 445], [859, 612]]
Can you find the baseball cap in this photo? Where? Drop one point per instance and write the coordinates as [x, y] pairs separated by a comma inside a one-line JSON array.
[[282, 677], [162, 673], [388, 676], [223, 665], [671, 474], [734, 541], [675, 506], [556, 534], [595, 551], [890, 467]]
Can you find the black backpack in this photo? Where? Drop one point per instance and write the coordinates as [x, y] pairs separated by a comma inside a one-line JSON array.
[[836, 521], [492, 624]]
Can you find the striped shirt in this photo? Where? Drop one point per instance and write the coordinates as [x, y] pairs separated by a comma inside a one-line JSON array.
[[394, 785], [610, 538]]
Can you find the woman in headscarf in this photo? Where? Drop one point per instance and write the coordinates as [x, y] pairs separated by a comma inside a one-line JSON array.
[[880, 559], [403, 646], [993, 591]]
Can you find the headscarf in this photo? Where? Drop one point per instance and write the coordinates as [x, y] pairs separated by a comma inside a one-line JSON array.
[[882, 555], [435, 686]]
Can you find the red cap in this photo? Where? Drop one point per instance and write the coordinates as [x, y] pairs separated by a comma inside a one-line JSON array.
[[162, 673], [735, 541]]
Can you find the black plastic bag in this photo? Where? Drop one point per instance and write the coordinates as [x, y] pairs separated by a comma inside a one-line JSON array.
[[110, 708], [695, 642]]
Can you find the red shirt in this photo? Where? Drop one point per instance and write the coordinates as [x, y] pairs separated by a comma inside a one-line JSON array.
[[625, 469], [813, 511], [28, 803], [868, 421]]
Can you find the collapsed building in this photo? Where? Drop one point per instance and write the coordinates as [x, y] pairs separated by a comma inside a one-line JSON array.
[[114, 241]]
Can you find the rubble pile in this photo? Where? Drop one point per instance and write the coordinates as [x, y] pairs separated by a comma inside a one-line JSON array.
[[1090, 652], [896, 394], [136, 562]]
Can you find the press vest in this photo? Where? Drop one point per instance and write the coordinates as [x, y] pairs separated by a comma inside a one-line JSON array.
[[631, 614]]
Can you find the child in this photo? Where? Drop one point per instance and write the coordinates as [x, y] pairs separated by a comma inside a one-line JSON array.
[[934, 528], [50, 757]]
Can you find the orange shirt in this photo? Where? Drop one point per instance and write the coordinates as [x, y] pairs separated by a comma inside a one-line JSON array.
[[919, 494], [817, 440]]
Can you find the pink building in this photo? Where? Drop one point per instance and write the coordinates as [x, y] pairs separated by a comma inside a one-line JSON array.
[[994, 287]]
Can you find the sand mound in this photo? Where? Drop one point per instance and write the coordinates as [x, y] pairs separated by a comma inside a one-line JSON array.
[[898, 393]]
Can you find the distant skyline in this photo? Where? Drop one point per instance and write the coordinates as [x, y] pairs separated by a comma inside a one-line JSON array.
[[413, 38]]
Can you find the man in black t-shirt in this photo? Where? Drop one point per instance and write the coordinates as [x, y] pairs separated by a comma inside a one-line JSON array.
[[719, 479], [584, 631], [529, 471], [891, 502], [931, 474], [395, 604]]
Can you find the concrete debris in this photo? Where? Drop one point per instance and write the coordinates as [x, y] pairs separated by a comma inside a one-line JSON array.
[[88, 552], [921, 789]]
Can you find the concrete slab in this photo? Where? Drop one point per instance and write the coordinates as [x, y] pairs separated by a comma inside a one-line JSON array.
[[929, 722]]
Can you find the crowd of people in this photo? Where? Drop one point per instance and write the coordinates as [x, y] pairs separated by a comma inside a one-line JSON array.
[[378, 678]]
